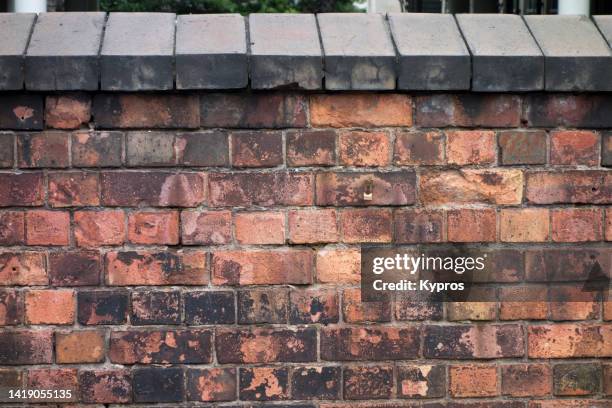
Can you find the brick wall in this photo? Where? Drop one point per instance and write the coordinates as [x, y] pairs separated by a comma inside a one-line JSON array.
[[205, 247]]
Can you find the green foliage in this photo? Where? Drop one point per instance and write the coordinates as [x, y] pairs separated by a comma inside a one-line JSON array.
[[230, 6]]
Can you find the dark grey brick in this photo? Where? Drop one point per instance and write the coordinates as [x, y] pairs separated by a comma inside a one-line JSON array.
[[209, 308], [577, 56], [285, 51], [7, 147], [358, 50], [15, 31], [505, 57], [606, 149], [138, 52], [22, 112], [211, 52], [158, 384], [432, 54], [63, 52]]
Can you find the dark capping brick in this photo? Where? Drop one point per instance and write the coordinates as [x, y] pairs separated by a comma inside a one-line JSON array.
[[285, 51], [74, 268], [158, 384], [577, 58], [63, 52], [156, 307], [505, 57], [432, 53], [359, 53], [211, 52], [102, 307], [15, 31], [209, 308], [21, 112], [138, 52]]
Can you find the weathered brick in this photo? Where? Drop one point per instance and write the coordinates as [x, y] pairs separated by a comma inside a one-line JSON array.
[[75, 268], [608, 225], [526, 380], [22, 269], [102, 307], [572, 187], [570, 341], [146, 111], [313, 226], [211, 384], [464, 147], [266, 345], [54, 379], [522, 147], [73, 189], [46, 149], [607, 379], [421, 381], [486, 310], [524, 225], [21, 347], [474, 342], [356, 311], [416, 226], [567, 110], [97, 149], [97, 228], [371, 382], [577, 379], [367, 110], [482, 224], [150, 149], [50, 306], [45, 227], [311, 148], [523, 303], [495, 186], [202, 148], [264, 384], [573, 303], [315, 382], [468, 110], [24, 189], [261, 189], [7, 143], [260, 228], [12, 228], [565, 264], [257, 149], [568, 403], [577, 225], [67, 111], [366, 225], [156, 268], [86, 346], [21, 111], [263, 305], [209, 308], [473, 381], [11, 307], [574, 148], [358, 148], [158, 384], [374, 343], [11, 378], [158, 189], [235, 267], [409, 309], [338, 266], [153, 227], [206, 227], [105, 386], [314, 306], [161, 347], [419, 148], [156, 307]]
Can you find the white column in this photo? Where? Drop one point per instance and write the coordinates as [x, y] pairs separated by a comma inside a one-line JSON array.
[[575, 7], [28, 6]]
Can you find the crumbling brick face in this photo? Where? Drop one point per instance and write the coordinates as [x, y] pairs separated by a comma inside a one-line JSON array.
[[205, 248]]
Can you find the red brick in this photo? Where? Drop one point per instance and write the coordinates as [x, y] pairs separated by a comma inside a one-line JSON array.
[[523, 303], [371, 382], [12, 228], [311, 148], [526, 380], [50, 306], [359, 148], [607, 310], [288, 266], [572, 187], [73, 189], [206, 227], [574, 147], [370, 343], [474, 342], [156, 268], [366, 225], [481, 225], [570, 341], [20, 347], [416, 226], [465, 147], [154, 227], [97, 228], [338, 266], [260, 228], [105, 386], [80, 347], [102, 307], [458, 311], [23, 268], [524, 225], [573, 303], [473, 381], [568, 403], [577, 225], [365, 109], [314, 306], [313, 226], [264, 384], [12, 378], [522, 147], [609, 224], [97, 149], [45, 227], [211, 384], [46, 149], [25, 189], [67, 111], [356, 311], [74, 268], [55, 379], [407, 308], [156, 307], [419, 148], [11, 307], [257, 149], [421, 381]]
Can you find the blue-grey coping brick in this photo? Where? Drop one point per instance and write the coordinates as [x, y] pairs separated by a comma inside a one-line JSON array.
[[15, 31], [505, 57], [138, 52], [211, 52], [577, 58], [358, 50], [432, 53], [63, 52], [285, 51]]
